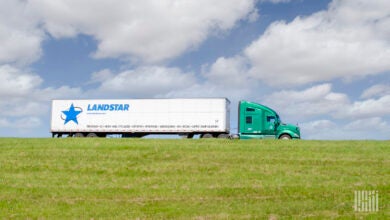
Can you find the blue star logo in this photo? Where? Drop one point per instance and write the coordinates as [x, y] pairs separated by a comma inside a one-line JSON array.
[[71, 114]]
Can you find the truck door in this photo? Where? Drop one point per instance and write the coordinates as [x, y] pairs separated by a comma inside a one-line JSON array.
[[253, 121], [269, 123]]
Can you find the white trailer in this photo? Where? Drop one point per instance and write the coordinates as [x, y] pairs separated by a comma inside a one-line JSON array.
[[208, 117]]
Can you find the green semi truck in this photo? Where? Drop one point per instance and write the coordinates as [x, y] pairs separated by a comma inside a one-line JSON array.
[[257, 121], [207, 117]]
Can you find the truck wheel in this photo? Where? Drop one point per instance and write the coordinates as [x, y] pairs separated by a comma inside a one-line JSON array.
[[207, 135], [78, 135], [285, 137], [223, 136], [92, 135]]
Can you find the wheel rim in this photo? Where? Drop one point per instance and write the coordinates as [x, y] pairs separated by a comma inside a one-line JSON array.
[[92, 135], [223, 136], [207, 136], [78, 135], [285, 137]]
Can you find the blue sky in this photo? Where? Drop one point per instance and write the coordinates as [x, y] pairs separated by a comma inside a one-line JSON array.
[[322, 64]]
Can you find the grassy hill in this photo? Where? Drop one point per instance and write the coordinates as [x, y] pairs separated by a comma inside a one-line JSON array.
[[181, 179]]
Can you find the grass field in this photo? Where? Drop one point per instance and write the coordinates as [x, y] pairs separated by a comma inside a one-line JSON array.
[[197, 179]]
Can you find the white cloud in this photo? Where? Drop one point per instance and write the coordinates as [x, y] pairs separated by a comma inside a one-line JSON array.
[[148, 31], [15, 83], [101, 76], [226, 77], [147, 81], [318, 129], [350, 39], [368, 108], [22, 100], [145, 31], [314, 101], [50, 93], [341, 42], [25, 104], [376, 91], [26, 123], [20, 37], [344, 119], [374, 123], [208, 89], [231, 72], [254, 15], [318, 125], [320, 100], [369, 128], [4, 122], [22, 125]]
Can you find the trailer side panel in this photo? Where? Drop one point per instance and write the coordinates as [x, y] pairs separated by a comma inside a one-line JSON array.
[[141, 116]]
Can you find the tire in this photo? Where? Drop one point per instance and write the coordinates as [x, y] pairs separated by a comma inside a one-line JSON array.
[[78, 135], [207, 135], [234, 136], [223, 136], [92, 135], [285, 137]]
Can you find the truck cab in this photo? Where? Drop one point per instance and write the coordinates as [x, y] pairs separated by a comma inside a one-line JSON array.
[[257, 121]]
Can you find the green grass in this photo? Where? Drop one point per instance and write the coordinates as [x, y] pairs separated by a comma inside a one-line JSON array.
[[198, 179]]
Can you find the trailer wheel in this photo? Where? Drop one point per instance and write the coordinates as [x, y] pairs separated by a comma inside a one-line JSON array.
[[223, 136], [92, 135], [78, 135], [285, 137], [207, 135]]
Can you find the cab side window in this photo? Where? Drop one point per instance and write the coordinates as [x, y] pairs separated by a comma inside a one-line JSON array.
[[271, 119]]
